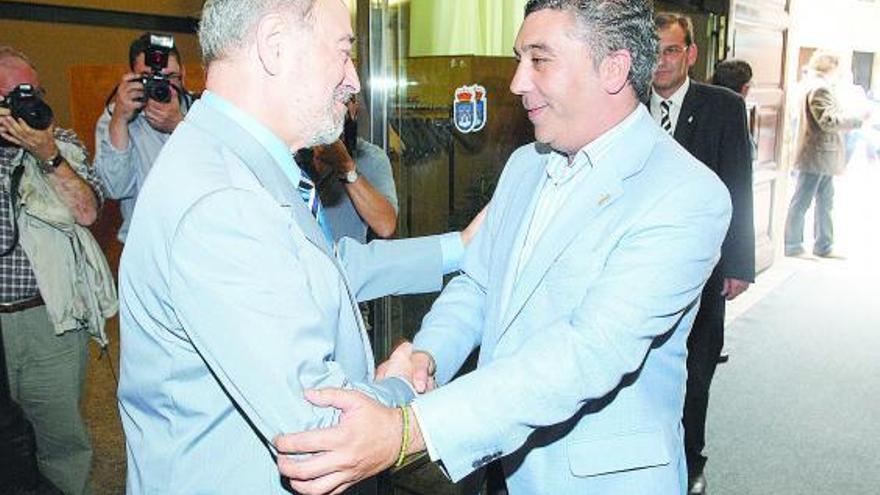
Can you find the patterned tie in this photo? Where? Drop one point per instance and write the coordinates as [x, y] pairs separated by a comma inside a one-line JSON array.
[[665, 120], [309, 194]]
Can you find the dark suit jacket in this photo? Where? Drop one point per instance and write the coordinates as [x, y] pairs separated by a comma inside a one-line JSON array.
[[713, 127]]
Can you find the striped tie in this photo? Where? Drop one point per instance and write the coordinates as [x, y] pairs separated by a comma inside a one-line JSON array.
[[309, 194], [665, 120]]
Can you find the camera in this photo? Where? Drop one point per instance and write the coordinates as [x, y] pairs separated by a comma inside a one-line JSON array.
[[157, 86], [24, 102]]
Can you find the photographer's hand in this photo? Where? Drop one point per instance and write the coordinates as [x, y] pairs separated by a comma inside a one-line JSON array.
[[128, 102], [164, 117], [334, 156], [41, 144], [129, 97], [73, 191]]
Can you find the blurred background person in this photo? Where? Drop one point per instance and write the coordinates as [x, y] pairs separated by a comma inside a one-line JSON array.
[[142, 112], [820, 156], [55, 286], [735, 75]]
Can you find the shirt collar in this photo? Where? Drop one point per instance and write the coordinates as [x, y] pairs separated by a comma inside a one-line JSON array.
[[677, 98], [272, 143], [559, 170]]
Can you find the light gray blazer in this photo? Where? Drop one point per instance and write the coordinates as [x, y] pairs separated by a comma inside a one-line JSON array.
[[581, 381], [233, 303]]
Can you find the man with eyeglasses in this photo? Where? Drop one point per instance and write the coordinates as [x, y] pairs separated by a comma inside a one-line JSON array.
[[710, 122], [55, 286], [133, 128]]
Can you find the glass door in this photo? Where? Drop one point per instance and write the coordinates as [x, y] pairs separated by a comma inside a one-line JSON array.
[[435, 77]]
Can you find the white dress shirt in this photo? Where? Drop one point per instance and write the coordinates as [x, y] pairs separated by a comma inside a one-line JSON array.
[[676, 100]]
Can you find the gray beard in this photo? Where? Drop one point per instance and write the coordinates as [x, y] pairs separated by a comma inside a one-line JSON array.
[[328, 135]]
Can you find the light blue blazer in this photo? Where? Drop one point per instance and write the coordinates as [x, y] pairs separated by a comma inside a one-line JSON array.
[[581, 380], [232, 303]]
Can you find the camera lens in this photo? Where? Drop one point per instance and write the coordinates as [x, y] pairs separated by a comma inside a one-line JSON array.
[[25, 103], [159, 89]]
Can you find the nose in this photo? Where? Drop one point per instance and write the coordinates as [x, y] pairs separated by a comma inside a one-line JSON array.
[[521, 82], [351, 78]]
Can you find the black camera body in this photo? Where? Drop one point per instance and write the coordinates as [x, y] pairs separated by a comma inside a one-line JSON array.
[[157, 86], [24, 102]]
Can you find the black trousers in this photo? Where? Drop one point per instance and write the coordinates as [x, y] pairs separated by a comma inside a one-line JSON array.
[[704, 348]]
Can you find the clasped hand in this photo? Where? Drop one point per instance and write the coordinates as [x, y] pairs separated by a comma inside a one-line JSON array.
[[416, 367], [367, 439]]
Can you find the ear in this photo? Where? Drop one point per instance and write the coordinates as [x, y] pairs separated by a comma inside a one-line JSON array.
[[269, 42], [614, 71], [692, 53]]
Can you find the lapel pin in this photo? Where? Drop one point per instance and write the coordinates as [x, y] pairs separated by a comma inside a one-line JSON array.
[[690, 119], [604, 199]]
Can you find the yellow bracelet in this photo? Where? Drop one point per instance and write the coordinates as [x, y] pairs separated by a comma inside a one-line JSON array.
[[405, 440]]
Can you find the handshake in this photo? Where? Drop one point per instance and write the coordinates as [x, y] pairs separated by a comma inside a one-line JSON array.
[[416, 367], [369, 438]]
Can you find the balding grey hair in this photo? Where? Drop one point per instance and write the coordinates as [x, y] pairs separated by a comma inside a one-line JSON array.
[[611, 25], [227, 25], [7, 52]]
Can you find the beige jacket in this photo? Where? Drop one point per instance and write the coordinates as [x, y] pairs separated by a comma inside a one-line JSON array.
[[820, 148], [71, 271]]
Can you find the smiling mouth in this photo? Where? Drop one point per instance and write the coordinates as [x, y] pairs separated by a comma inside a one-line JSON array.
[[535, 111]]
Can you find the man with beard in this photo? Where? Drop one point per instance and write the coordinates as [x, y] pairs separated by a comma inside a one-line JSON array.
[[233, 298]]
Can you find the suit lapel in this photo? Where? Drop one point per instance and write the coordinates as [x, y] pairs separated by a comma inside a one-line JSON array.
[[262, 165], [599, 191], [516, 224], [687, 118], [272, 179]]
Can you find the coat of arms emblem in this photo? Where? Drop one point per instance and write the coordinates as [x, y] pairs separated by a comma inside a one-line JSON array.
[[470, 108]]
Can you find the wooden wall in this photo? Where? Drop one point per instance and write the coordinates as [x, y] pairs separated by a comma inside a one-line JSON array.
[[177, 8]]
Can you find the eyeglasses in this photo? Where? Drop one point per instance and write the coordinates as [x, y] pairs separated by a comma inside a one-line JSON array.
[[673, 50]]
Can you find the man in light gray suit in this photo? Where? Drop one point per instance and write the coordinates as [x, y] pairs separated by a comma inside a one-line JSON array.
[[233, 300], [580, 289]]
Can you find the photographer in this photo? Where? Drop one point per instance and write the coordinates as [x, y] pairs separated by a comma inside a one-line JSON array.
[[142, 112], [55, 286]]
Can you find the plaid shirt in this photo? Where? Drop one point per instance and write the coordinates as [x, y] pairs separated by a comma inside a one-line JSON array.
[[17, 281]]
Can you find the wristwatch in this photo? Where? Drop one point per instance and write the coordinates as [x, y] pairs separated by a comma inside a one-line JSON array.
[[49, 166], [349, 177]]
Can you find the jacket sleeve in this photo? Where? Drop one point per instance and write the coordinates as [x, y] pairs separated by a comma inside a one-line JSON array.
[[112, 165], [581, 356], [735, 171], [266, 330], [829, 114], [402, 266]]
